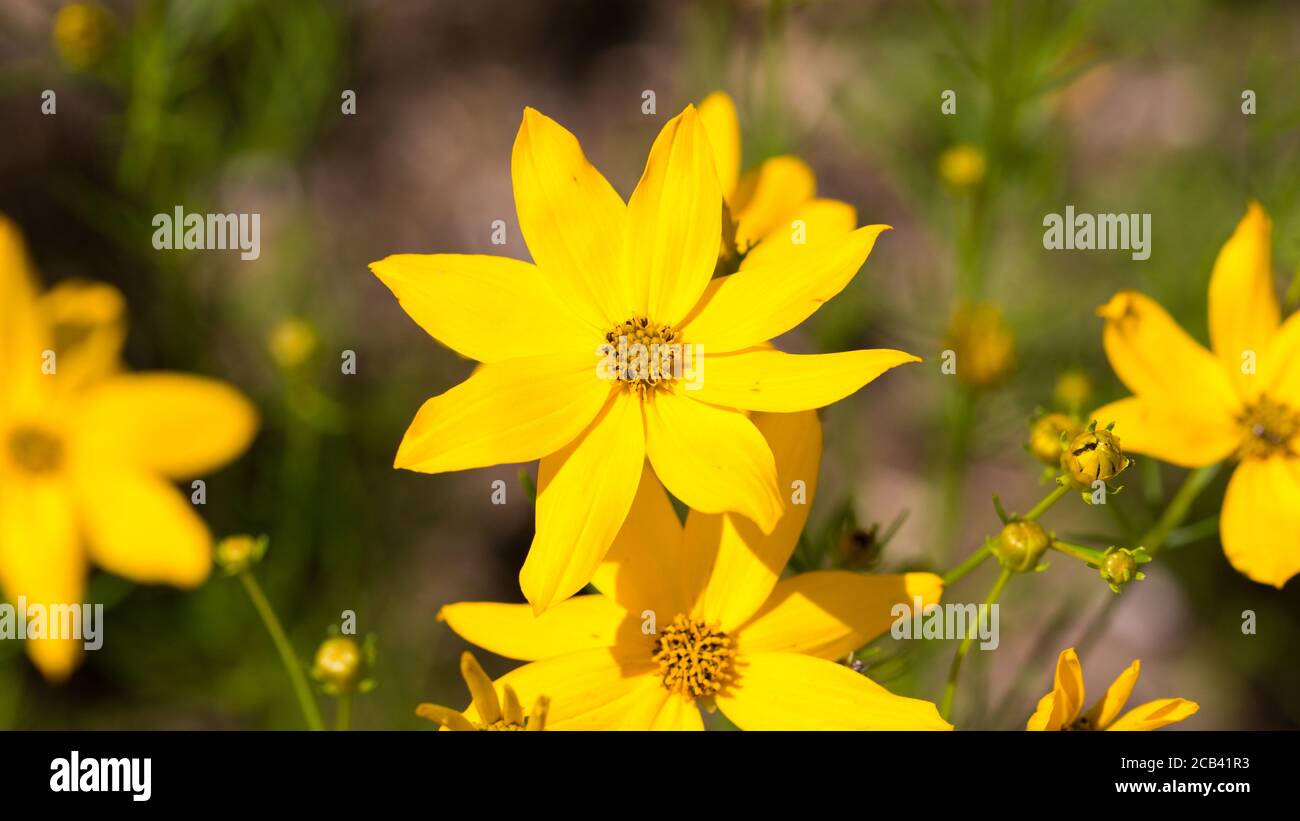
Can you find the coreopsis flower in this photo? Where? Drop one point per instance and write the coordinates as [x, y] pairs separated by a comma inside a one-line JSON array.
[[490, 710], [1062, 709], [697, 616], [774, 205], [1193, 407], [87, 452], [617, 346]]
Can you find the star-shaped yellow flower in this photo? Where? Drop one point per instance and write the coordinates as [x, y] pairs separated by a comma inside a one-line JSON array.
[[697, 615], [609, 276], [1195, 408], [86, 451], [491, 711], [1062, 709]]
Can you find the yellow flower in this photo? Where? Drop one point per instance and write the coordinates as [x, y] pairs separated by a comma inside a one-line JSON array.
[[1062, 709], [489, 711], [697, 615], [1045, 437], [1073, 389], [82, 33], [86, 452], [1194, 408], [773, 206], [608, 277], [962, 166], [291, 342], [985, 347]]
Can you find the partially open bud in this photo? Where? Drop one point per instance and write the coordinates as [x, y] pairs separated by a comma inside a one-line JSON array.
[[1021, 545], [235, 554], [1094, 455], [1049, 435], [1119, 566], [339, 665], [984, 345]]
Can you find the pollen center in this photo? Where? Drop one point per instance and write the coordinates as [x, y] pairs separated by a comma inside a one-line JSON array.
[[694, 659], [502, 724], [645, 355], [35, 450], [1268, 427]]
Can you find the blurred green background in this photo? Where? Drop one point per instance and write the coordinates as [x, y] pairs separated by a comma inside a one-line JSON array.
[[236, 106]]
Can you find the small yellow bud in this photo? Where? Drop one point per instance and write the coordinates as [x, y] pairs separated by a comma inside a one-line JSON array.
[[1073, 389], [291, 342], [1045, 437], [1119, 566], [235, 554], [963, 166], [1094, 455], [339, 664], [983, 343], [82, 33], [1021, 544]]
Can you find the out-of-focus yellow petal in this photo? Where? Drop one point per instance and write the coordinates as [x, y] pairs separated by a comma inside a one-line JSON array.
[[175, 424], [1260, 522], [87, 323], [1244, 311], [764, 301], [713, 459], [140, 527], [1059, 708], [512, 411], [481, 689], [746, 563], [674, 222], [769, 380], [814, 222], [1169, 433], [486, 308], [829, 613], [789, 691], [767, 198], [1279, 364], [718, 114], [678, 713], [1159, 362], [1156, 714], [584, 492], [23, 336], [513, 631], [574, 222], [449, 719], [42, 560], [1104, 712]]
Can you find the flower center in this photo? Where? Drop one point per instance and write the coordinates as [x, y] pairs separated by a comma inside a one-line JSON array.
[[694, 659], [1082, 723], [645, 355], [35, 450], [1267, 429], [502, 724]]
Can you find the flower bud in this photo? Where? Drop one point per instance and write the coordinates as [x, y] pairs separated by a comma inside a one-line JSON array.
[[1073, 389], [983, 343], [291, 342], [339, 664], [1021, 544], [1094, 455], [962, 166], [1046, 435], [83, 33], [1119, 566], [235, 554]]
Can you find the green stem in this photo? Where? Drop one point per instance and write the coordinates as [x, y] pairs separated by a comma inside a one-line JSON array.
[[1178, 508], [954, 672], [1087, 555], [343, 718], [310, 710], [1048, 500], [973, 561]]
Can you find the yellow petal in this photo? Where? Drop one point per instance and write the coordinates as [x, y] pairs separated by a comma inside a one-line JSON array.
[[512, 411], [830, 613], [142, 528], [1260, 522], [1244, 311], [511, 630], [764, 301], [678, 713], [87, 322], [486, 308], [447, 717], [769, 380], [1159, 362], [768, 197], [1104, 712], [1156, 714], [481, 689], [1279, 365], [572, 219], [649, 566], [512, 712], [584, 492], [1170, 433], [814, 222], [1058, 709], [788, 691], [175, 424], [675, 220], [42, 560], [746, 563], [718, 114], [23, 336], [713, 459]]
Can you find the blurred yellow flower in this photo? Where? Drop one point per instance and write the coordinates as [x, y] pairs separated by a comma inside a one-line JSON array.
[[962, 166], [86, 452], [1045, 437], [1062, 709], [291, 342], [985, 347], [82, 33], [1194, 408], [612, 277], [1073, 390], [698, 616], [773, 206], [489, 711]]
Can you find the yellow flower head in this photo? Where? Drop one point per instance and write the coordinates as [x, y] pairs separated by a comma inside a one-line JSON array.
[[985, 347], [1046, 434], [489, 711], [82, 33], [1073, 390], [1094, 455], [235, 554], [696, 615], [617, 346], [1062, 709], [291, 342], [87, 452], [1240, 399], [962, 166]]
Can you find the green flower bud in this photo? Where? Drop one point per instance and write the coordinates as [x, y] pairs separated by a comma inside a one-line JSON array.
[[1021, 545]]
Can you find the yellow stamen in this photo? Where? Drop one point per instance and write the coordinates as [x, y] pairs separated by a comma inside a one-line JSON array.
[[694, 659], [647, 354]]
